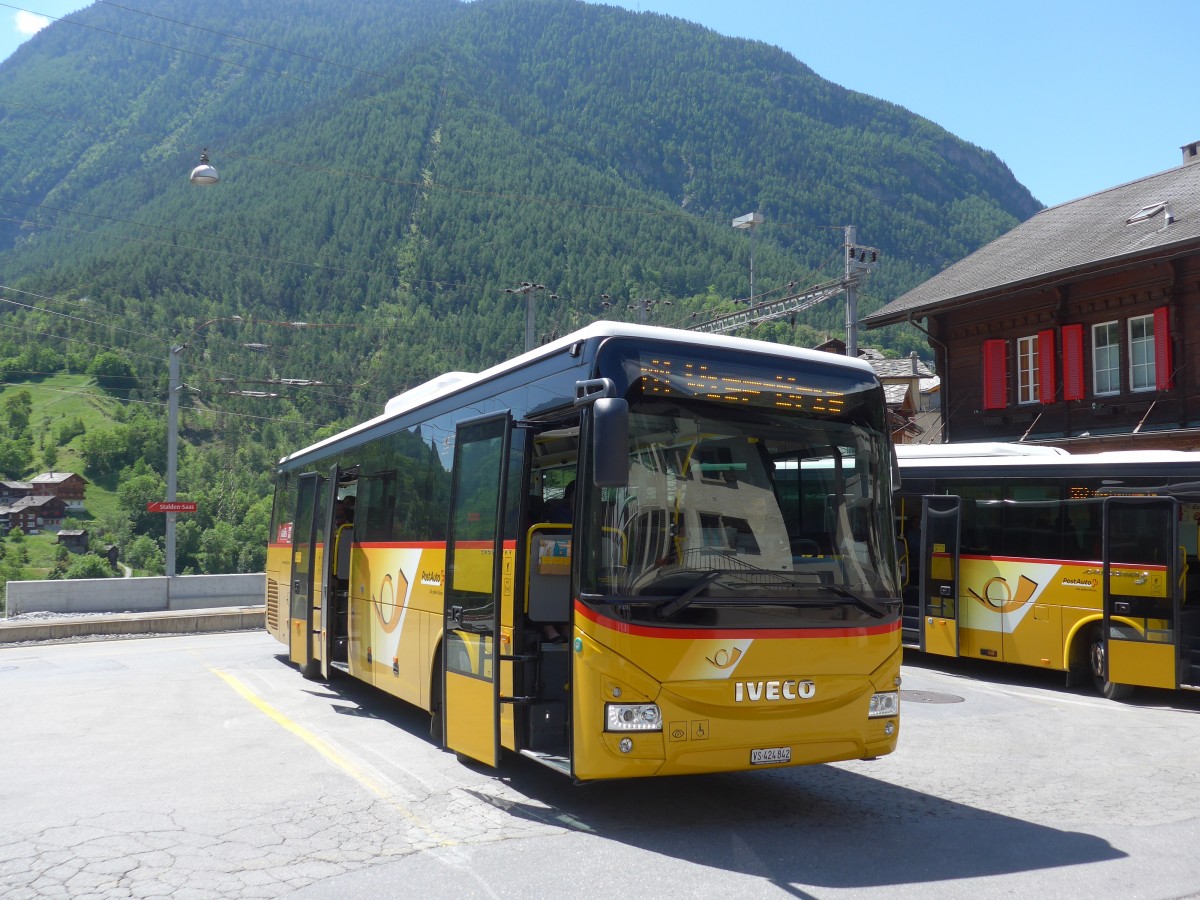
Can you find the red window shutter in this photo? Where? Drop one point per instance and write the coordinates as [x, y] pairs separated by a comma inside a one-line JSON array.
[[1072, 350], [1046, 385], [995, 376], [1164, 378]]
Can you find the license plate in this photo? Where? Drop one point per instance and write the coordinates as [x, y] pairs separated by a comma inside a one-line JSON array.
[[770, 756]]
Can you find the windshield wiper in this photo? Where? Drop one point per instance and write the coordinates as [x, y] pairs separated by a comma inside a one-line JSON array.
[[864, 603], [669, 607]]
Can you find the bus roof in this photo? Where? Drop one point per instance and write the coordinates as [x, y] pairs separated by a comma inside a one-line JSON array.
[[453, 382], [982, 449], [992, 461]]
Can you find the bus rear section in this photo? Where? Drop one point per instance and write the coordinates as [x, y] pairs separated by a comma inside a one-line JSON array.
[[1073, 563]]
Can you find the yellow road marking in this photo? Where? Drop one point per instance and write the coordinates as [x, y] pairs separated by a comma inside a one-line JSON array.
[[327, 751]]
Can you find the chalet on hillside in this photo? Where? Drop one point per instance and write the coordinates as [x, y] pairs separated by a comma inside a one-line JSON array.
[[74, 539], [33, 514], [1079, 326], [66, 486], [14, 490]]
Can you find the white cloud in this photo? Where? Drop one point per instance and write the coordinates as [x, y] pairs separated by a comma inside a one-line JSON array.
[[30, 23]]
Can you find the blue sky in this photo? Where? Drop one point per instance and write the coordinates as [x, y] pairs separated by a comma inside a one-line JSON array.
[[1073, 95]]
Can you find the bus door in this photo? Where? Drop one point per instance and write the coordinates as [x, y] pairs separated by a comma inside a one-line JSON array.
[[324, 616], [941, 518], [475, 570], [304, 555], [1141, 592]]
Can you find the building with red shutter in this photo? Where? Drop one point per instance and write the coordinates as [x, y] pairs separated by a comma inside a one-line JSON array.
[[32, 514], [1076, 328]]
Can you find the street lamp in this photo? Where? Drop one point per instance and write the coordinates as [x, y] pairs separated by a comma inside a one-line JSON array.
[[204, 174], [749, 220]]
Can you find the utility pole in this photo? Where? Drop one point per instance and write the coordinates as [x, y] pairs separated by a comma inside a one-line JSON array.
[[859, 261], [851, 296], [644, 306], [173, 389], [528, 288]]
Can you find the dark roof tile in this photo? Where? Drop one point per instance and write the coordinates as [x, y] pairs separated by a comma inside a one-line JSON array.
[[1064, 238]]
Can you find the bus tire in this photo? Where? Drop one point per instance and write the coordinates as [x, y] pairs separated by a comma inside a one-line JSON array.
[[435, 700], [1110, 690]]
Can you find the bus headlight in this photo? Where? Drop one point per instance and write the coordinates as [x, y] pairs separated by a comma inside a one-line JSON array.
[[632, 717], [882, 705]]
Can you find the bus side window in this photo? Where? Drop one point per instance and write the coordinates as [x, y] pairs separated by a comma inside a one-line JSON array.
[[378, 492]]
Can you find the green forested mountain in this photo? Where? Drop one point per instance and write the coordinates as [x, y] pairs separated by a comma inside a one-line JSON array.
[[389, 167]]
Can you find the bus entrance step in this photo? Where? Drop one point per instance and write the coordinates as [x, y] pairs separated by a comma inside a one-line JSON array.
[[560, 763]]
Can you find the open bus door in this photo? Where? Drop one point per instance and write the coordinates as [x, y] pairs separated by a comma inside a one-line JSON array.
[[304, 545], [941, 517], [1142, 596], [324, 616], [474, 570]]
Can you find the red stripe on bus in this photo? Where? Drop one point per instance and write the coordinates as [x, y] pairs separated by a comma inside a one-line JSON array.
[[428, 545], [723, 634], [1059, 562]]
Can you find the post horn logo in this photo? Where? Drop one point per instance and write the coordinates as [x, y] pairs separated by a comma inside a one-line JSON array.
[[723, 658], [1005, 603]]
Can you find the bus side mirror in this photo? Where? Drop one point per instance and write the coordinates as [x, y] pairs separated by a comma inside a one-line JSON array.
[[610, 442]]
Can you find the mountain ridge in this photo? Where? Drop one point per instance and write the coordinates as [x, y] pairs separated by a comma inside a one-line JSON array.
[[403, 164]]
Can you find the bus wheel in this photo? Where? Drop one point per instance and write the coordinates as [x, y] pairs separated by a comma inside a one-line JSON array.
[[1110, 690], [435, 700]]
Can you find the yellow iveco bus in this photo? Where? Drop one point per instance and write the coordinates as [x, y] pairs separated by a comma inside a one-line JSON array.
[[685, 613], [1072, 562]]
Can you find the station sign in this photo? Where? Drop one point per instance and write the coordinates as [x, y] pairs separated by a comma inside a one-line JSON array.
[[171, 506]]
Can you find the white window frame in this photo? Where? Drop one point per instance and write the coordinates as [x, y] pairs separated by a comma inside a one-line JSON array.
[[1141, 353], [1106, 368], [1027, 370]]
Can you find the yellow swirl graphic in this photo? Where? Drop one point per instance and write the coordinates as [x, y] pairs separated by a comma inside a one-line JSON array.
[[1009, 602], [392, 621]]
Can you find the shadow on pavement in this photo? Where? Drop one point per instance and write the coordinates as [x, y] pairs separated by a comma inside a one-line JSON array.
[[818, 825]]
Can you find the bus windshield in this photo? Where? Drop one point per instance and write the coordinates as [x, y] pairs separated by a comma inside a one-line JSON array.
[[745, 505]]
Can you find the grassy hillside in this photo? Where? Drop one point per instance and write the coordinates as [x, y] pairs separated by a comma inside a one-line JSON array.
[[58, 401]]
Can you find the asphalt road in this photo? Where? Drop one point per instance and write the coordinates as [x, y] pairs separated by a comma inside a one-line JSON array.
[[205, 766]]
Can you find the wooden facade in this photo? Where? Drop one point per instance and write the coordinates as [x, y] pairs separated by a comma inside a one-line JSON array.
[[33, 514], [66, 486], [1080, 327]]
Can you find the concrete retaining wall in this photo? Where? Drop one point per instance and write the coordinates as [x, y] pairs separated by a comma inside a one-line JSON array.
[[87, 595]]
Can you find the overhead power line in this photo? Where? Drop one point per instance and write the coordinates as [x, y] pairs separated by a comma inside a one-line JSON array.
[[158, 403], [227, 62], [400, 280], [213, 374], [245, 40]]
